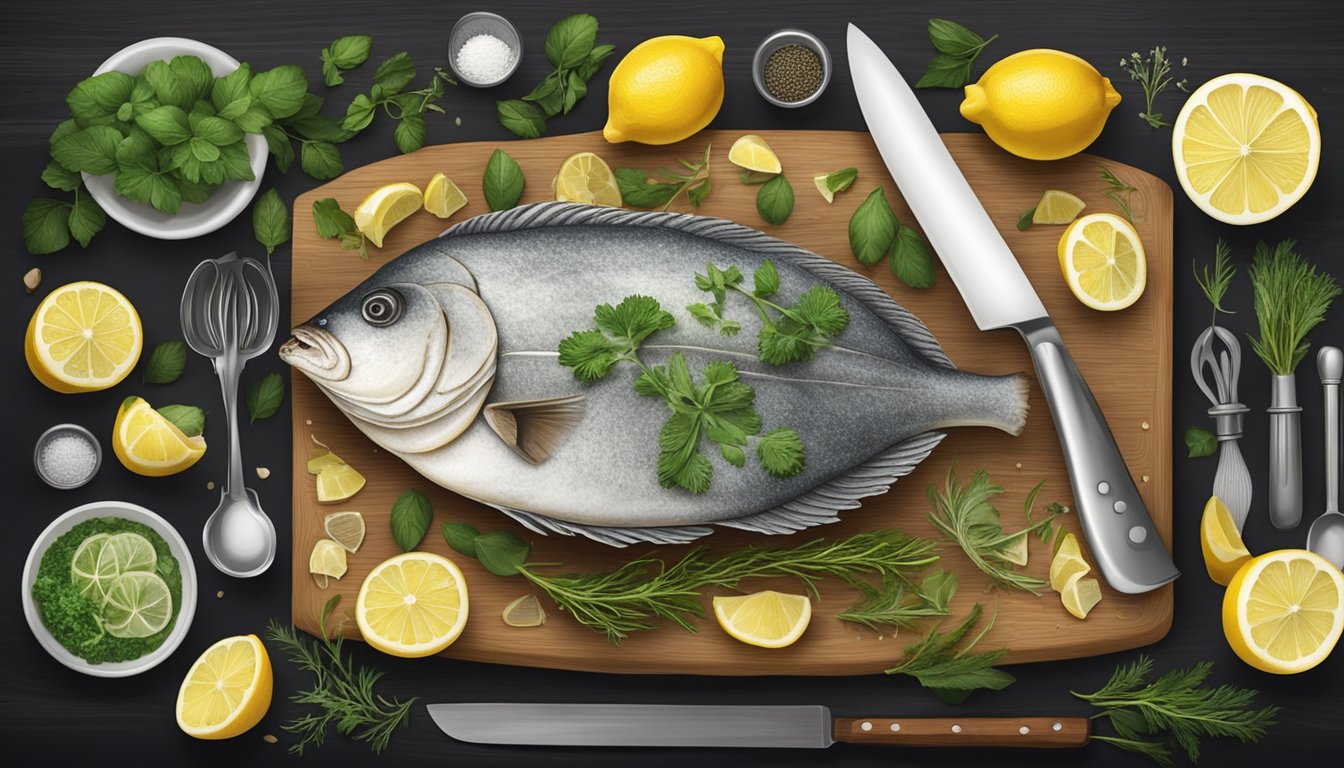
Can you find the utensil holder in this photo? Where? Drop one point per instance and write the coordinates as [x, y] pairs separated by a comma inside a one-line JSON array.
[[1285, 453]]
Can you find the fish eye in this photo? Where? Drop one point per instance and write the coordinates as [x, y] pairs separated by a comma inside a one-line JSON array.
[[382, 307]]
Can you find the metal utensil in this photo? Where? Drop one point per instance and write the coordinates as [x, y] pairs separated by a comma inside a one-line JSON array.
[[1285, 453], [674, 725], [228, 314], [1326, 535], [1119, 530], [1232, 483]]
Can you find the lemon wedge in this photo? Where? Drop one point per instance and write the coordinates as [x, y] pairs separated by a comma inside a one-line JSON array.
[[83, 337], [1057, 207], [337, 483], [1284, 611], [148, 444], [586, 178], [1080, 595], [1103, 261], [326, 562], [386, 207], [443, 198], [1219, 539], [227, 690], [752, 153], [1067, 563], [412, 605], [1246, 148], [346, 529], [767, 619]]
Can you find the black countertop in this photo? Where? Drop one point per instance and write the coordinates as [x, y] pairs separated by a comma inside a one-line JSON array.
[[52, 714]]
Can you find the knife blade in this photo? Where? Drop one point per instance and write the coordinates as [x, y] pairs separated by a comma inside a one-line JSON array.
[[1119, 530], [682, 725]]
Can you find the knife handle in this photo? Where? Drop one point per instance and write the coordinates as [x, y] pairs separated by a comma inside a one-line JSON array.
[[1034, 732], [1119, 531]]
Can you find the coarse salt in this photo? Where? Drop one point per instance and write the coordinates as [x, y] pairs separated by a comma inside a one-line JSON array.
[[484, 58], [68, 459]]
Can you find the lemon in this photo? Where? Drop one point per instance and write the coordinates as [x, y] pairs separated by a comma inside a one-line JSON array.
[[1283, 611], [1067, 564], [326, 562], [1080, 595], [346, 529], [138, 605], [227, 690], [751, 152], [768, 619], [1041, 104], [151, 445], [525, 611], [665, 89], [443, 198], [83, 337], [1224, 552], [585, 178], [1246, 148], [412, 605], [386, 207], [1057, 207], [338, 482], [1103, 261], [90, 571]]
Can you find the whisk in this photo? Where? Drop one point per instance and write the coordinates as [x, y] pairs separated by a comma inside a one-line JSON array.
[[1232, 483]]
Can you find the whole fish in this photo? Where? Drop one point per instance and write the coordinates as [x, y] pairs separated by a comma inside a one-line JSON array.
[[447, 356]]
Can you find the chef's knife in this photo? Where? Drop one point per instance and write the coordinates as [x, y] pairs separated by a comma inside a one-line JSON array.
[[679, 725], [1119, 531]]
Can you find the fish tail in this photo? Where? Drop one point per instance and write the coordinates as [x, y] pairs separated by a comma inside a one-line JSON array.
[[1000, 402]]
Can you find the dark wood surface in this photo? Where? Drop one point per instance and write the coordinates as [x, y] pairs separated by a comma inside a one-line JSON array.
[[55, 716]]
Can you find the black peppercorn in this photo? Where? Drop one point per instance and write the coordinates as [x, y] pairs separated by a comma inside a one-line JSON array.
[[793, 72]]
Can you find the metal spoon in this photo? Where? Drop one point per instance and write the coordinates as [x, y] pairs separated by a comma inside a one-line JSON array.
[[228, 314], [1326, 536]]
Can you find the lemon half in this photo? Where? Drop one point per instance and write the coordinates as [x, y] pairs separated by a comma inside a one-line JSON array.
[[83, 337], [1284, 611], [227, 690], [1103, 261]]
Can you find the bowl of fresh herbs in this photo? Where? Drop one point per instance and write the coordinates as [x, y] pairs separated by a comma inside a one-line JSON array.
[[109, 589]]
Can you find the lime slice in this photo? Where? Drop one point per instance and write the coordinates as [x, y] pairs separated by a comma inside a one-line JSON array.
[[133, 552], [84, 568], [138, 605]]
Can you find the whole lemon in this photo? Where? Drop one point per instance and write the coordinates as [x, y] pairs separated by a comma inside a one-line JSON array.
[[1041, 104], [665, 89]]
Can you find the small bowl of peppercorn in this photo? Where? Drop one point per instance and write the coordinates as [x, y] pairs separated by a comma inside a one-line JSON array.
[[791, 68]]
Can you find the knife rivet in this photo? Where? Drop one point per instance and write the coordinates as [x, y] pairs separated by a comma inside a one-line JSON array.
[[1138, 534], [895, 727], [956, 729], [866, 726], [1119, 507], [1024, 730], [1057, 727], [1103, 487]]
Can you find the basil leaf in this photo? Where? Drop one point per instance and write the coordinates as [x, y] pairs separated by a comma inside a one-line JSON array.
[[188, 418], [1200, 442], [521, 117], [236, 161], [410, 133], [839, 181], [774, 200], [503, 181], [64, 129], [166, 363], [350, 51], [254, 119], [461, 537], [501, 552], [58, 177], [590, 65], [194, 78], [953, 39], [203, 150], [946, 72], [168, 125], [92, 150], [97, 100], [331, 74], [264, 397], [910, 259], [571, 40], [168, 91], [193, 193], [270, 220], [318, 128], [46, 226], [280, 91], [549, 95], [321, 160], [230, 94], [86, 219], [359, 114], [331, 221], [395, 73], [1024, 221], [411, 516], [872, 228], [215, 130], [147, 185], [638, 192]]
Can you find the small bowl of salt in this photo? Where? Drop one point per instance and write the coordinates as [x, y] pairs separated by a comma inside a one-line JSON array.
[[67, 456], [484, 49]]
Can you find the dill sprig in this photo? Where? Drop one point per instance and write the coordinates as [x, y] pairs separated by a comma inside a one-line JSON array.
[[897, 603], [1291, 298], [1119, 191], [1214, 283], [639, 592], [952, 673], [1153, 72], [342, 692], [1175, 705]]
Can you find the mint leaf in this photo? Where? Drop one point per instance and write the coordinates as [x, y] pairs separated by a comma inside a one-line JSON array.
[[166, 363], [411, 516], [571, 40], [331, 74], [395, 73], [86, 219], [215, 130], [410, 133], [203, 150], [348, 52], [143, 185], [359, 114], [953, 39], [98, 99], [946, 72], [194, 78], [521, 117], [188, 418], [503, 181], [461, 537], [280, 91], [501, 552], [774, 200], [872, 228], [46, 226], [264, 398], [230, 94], [1200, 442], [255, 118], [331, 221], [270, 220], [280, 147], [92, 150], [57, 177], [168, 91], [167, 125], [910, 259], [236, 161], [321, 160]]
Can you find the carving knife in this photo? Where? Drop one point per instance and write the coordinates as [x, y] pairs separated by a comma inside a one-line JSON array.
[[1119, 530], [681, 725]]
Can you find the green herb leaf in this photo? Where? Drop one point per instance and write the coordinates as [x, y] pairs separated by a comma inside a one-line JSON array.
[[331, 221], [264, 398], [215, 130], [57, 177], [166, 363], [946, 72], [939, 665], [1215, 284], [910, 259], [637, 191], [1291, 298], [872, 229], [167, 125], [86, 219], [188, 418], [953, 39], [571, 40], [270, 220], [92, 150], [279, 91], [774, 200], [461, 537], [411, 516], [280, 147], [594, 61], [765, 280], [230, 94], [781, 452], [347, 52], [1153, 72], [521, 117], [1119, 192], [96, 100], [590, 354], [321, 160], [841, 180], [395, 73], [359, 114], [633, 320], [898, 603], [1025, 221], [501, 552], [46, 225], [1200, 442], [410, 133], [503, 181]]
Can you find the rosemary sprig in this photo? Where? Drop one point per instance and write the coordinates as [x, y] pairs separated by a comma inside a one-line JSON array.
[[1175, 705], [950, 673], [898, 604], [343, 693], [1291, 298], [1119, 191], [1215, 283], [1153, 72], [635, 595]]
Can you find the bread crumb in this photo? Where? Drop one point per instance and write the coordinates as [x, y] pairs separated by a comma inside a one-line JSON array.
[[1018, 465], [1145, 426], [269, 739], [263, 472]]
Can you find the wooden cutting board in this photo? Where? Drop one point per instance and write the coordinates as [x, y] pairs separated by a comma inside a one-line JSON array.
[[1126, 357]]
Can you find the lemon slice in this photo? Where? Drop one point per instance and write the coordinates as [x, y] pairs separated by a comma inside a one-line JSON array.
[[1284, 611], [1067, 562], [751, 152], [412, 605], [326, 562], [132, 552], [586, 178], [149, 444], [1080, 595], [385, 208], [526, 611], [767, 619], [1246, 148], [1057, 207], [1224, 551], [138, 605], [1103, 261], [83, 337], [90, 572], [227, 690], [443, 198], [346, 529], [337, 483]]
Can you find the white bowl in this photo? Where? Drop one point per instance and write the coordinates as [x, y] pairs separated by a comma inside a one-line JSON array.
[[192, 220], [176, 545]]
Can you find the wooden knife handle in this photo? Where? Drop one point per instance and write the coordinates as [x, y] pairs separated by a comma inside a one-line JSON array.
[[1036, 732]]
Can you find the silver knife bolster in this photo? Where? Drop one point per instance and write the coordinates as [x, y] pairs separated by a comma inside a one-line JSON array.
[[1119, 530]]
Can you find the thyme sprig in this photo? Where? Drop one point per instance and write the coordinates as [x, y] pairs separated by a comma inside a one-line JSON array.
[[1291, 298], [1118, 191], [1153, 72]]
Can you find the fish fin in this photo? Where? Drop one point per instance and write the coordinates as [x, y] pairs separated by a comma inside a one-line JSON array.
[[553, 214], [615, 537], [535, 428], [822, 504]]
